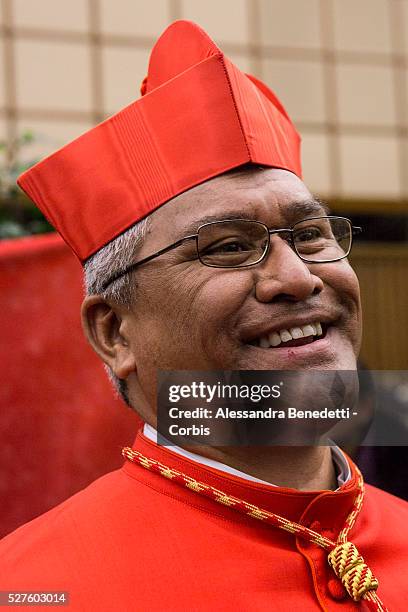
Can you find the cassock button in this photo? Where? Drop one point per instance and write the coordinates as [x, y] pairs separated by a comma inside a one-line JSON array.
[[336, 589]]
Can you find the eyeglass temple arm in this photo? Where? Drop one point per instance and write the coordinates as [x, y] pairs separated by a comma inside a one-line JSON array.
[[145, 260]]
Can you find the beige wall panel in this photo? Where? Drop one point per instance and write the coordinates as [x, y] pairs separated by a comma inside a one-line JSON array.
[[225, 20], [53, 75], [404, 153], [52, 14], [48, 136], [242, 61], [403, 12], [3, 135], [134, 17], [369, 167], [365, 95], [315, 161], [124, 70], [362, 25], [292, 23], [402, 76], [2, 83], [299, 85], [401, 94]]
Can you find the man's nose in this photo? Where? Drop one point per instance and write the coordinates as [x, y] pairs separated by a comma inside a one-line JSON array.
[[284, 276]]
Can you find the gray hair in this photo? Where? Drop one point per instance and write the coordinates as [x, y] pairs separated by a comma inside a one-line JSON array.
[[110, 259]]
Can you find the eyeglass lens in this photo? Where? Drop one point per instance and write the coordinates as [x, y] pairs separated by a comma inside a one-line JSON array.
[[239, 243]]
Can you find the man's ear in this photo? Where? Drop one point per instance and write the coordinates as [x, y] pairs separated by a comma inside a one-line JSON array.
[[104, 327]]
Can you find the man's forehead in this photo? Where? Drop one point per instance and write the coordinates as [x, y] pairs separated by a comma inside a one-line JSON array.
[[266, 194]]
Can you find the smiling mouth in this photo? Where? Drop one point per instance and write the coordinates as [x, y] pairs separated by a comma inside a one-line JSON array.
[[295, 336]]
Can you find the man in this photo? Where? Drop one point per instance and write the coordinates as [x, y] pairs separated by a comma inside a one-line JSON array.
[[145, 200]]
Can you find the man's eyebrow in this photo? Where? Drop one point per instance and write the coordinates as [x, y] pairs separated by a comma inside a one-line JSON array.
[[314, 206], [303, 209], [193, 227]]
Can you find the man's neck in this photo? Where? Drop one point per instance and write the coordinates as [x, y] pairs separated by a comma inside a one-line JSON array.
[[304, 468]]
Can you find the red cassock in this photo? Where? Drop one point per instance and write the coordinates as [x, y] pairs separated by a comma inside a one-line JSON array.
[[134, 540]]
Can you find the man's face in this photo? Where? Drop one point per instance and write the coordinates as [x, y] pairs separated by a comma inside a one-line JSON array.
[[191, 317]]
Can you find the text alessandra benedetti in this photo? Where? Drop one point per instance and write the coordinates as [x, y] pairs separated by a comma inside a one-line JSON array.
[[289, 413], [268, 413]]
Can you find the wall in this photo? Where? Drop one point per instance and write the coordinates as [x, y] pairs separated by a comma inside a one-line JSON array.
[[340, 67], [382, 272]]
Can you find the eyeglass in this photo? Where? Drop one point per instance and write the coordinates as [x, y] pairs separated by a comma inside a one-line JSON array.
[[240, 243]]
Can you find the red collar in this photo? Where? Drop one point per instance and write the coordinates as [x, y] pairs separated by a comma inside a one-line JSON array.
[[329, 508]]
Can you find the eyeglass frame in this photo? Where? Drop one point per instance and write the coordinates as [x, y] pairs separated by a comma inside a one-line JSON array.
[[354, 230]]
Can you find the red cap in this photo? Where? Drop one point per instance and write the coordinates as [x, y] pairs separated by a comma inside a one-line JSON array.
[[199, 116]]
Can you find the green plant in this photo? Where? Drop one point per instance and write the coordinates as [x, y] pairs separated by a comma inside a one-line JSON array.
[[18, 215]]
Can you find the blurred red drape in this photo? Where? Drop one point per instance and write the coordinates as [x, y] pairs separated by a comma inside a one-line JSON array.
[[60, 423]]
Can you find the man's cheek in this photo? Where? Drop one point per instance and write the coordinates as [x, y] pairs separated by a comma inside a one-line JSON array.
[[347, 278], [342, 279]]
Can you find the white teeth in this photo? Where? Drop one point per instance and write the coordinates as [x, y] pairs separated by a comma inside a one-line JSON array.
[[296, 332], [274, 339], [285, 335], [308, 330]]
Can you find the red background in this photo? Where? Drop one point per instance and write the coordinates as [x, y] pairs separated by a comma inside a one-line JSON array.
[[61, 425]]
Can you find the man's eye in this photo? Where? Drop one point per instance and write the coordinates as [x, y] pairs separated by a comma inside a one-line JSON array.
[[228, 247], [308, 235]]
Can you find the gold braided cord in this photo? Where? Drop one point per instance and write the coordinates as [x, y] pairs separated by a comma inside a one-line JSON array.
[[377, 605], [349, 566], [343, 558]]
